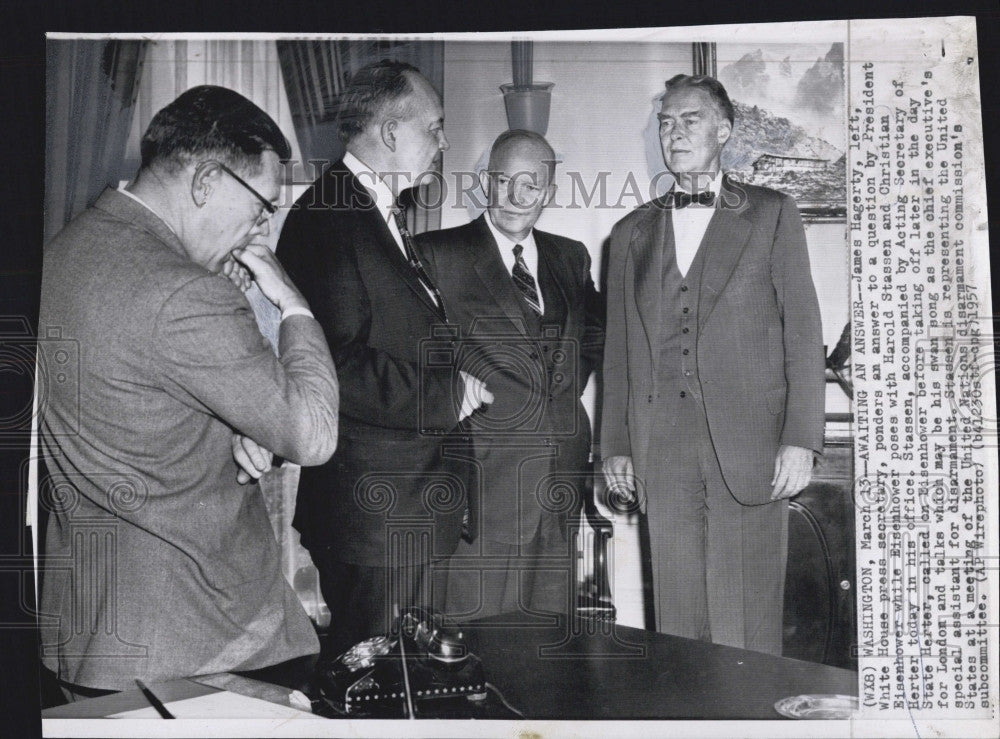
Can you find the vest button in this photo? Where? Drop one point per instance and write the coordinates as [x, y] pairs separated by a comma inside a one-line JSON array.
[[685, 330], [686, 310], [686, 352], [683, 394], [649, 399], [684, 288]]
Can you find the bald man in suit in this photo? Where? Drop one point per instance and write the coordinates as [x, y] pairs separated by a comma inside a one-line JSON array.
[[532, 326]]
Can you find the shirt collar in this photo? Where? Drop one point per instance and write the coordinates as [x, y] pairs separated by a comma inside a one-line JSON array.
[[384, 199], [714, 186], [145, 205], [503, 240]]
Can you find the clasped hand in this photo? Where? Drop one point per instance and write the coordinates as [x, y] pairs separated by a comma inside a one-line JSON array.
[[252, 459]]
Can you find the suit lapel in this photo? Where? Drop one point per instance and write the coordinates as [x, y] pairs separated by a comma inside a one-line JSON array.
[[650, 237], [496, 279], [724, 242], [381, 237]]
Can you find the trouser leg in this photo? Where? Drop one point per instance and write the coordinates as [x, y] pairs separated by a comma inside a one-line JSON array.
[[745, 574], [676, 520], [487, 578]]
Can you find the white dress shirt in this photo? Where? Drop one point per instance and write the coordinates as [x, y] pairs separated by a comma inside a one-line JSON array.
[[145, 205], [529, 255], [384, 199], [690, 224]]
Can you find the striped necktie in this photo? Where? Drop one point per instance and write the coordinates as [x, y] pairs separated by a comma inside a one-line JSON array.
[[414, 260], [523, 280]]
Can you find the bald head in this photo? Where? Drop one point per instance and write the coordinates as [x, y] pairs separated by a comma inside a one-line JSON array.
[[518, 181], [525, 145]]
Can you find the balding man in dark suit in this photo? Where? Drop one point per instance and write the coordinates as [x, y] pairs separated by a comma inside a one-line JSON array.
[[398, 474], [532, 325]]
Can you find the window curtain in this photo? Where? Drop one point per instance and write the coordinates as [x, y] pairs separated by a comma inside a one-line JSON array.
[[316, 73], [91, 90], [173, 66]]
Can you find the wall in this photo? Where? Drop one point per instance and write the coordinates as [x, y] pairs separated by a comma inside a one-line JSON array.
[[598, 116]]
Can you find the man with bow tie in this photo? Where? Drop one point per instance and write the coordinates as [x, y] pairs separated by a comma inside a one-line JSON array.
[[713, 379]]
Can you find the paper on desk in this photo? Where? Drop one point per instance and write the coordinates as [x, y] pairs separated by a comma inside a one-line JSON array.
[[221, 704]]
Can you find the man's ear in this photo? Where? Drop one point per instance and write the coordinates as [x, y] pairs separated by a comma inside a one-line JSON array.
[[203, 182], [484, 182], [388, 133], [724, 131]]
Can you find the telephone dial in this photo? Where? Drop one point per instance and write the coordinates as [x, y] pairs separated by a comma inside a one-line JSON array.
[[421, 659]]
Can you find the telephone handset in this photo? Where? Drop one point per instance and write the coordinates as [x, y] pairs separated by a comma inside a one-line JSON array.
[[423, 658]]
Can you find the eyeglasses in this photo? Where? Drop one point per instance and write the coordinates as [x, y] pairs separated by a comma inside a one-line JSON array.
[[268, 205]]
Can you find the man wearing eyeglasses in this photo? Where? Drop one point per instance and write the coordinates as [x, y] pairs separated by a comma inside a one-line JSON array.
[[160, 560], [391, 499], [533, 323]]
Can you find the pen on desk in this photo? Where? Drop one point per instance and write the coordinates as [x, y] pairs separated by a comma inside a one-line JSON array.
[[153, 700]]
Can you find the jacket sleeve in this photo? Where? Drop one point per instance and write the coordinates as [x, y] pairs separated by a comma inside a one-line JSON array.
[[592, 344], [614, 411], [802, 332], [378, 388], [211, 355]]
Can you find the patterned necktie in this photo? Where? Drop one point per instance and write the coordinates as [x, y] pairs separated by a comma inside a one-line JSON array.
[[523, 280], [415, 265], [684, 199]]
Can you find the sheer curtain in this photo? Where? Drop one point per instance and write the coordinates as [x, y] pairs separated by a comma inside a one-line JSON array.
[[173, 66], [91, 89], [89, 104]]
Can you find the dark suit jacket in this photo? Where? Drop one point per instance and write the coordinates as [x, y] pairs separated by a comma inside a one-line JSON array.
[[159, 565], [535, 369], [396, 412], [760, 340]]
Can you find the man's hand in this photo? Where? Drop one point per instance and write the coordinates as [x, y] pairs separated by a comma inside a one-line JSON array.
[[474, 396], [253, 459], [270, 276], [237, 274], [792, 471], [620, 478]]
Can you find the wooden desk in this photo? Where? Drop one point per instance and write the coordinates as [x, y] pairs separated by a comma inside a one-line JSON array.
[[607, 672], [601, 671]]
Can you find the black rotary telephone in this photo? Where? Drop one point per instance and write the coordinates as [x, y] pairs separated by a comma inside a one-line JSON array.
[[421, 659]]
